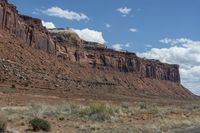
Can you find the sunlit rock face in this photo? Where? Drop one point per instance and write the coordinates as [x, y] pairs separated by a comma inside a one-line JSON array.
[[29, 29], [96, 55], [67, 45]]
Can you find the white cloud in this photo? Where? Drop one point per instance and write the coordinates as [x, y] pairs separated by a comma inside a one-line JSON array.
[[133, 30], [178, 41], [90, 35], [165, 41], [120, 47], [124, 10], [127, 45], [70, 15], [184, 52], [108, 25], [48, 25], [117, 47]]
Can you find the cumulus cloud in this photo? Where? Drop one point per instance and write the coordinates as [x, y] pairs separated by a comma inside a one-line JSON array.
[[184, 52], [120, 47], [61, 13], [117, 47], [48, 25], [175, 41], [124, 10], [133, 30], [90, 35]]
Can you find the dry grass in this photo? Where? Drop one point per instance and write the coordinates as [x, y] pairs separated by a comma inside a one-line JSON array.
[[113, 118], [97, 111]]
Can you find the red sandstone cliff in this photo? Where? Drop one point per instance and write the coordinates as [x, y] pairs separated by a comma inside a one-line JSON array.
[[99, 57], [74, 64], [30, 30], [35, 35]]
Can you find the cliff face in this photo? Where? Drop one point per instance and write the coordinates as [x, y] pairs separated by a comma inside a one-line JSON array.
[[30, 30], [95, 55], [75, 66], [71, 47], [130, 63]]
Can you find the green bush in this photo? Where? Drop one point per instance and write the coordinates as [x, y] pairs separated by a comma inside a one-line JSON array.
[[98, 112], [40, 124], [3, 123]]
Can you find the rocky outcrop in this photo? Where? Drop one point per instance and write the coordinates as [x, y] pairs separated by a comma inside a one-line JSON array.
[[69, 38], [97, 56], [130, 63], [67, 45], [30, 30]]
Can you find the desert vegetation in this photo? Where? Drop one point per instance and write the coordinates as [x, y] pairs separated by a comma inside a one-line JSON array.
[[98, 117], [97, 111], [40, 124]]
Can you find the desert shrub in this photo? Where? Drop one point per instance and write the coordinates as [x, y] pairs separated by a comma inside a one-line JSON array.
[[98, 112], [3, 123], [154, 111], [40, 124], [143, 106]]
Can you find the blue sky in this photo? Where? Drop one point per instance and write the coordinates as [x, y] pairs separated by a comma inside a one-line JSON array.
[[170, 26], [154, 19]]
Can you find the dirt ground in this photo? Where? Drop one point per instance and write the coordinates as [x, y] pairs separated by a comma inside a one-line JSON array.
[[129, 115]]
